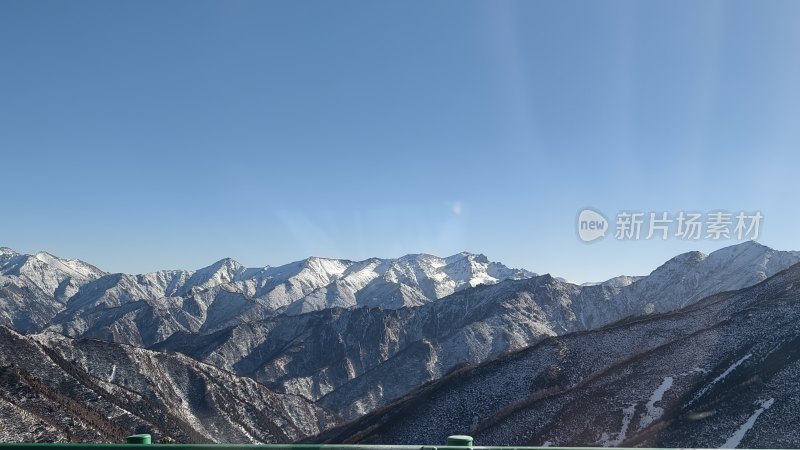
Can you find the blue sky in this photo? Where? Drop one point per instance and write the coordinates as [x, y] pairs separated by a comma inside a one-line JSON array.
[[146, 135]]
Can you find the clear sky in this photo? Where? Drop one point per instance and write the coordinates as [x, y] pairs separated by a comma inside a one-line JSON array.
[[141, 135]]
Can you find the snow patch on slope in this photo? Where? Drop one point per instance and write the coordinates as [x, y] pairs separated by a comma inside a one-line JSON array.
[[614, 439], [655, 412], [737, 437], [721, 377]]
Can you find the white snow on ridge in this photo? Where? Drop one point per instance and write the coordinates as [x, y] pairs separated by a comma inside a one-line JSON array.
[[410, 280], [737, 437], [721, 376], [731, 368], [72, 267], [619, 281]]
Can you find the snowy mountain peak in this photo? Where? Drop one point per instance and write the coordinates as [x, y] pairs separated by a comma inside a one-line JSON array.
[[6, 255], [327, 265], [222, 271], [694, 275], [681, 261], [229, 264], [44, 256], [409, 280], [751, 248], [616, 282], [465, 255], [753, 254], [74, 268]]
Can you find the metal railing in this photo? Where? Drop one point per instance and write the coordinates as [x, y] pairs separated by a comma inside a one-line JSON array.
[[144, 441]]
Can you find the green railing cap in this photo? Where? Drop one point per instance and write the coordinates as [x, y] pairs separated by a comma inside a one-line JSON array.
[[459, 440], [139, 439]]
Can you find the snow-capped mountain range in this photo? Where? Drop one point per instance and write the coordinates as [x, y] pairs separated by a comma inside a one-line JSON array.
[[74, 294], [721, 373], [347, 337], [343, 358]]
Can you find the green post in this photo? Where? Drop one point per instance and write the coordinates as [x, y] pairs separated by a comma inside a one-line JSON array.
[[459, 440], [139, 439]]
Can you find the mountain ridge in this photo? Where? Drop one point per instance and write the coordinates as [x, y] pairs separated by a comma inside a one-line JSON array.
[[467, 327], [88, 390], [577, 390], [337, 333], [65, 288]]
